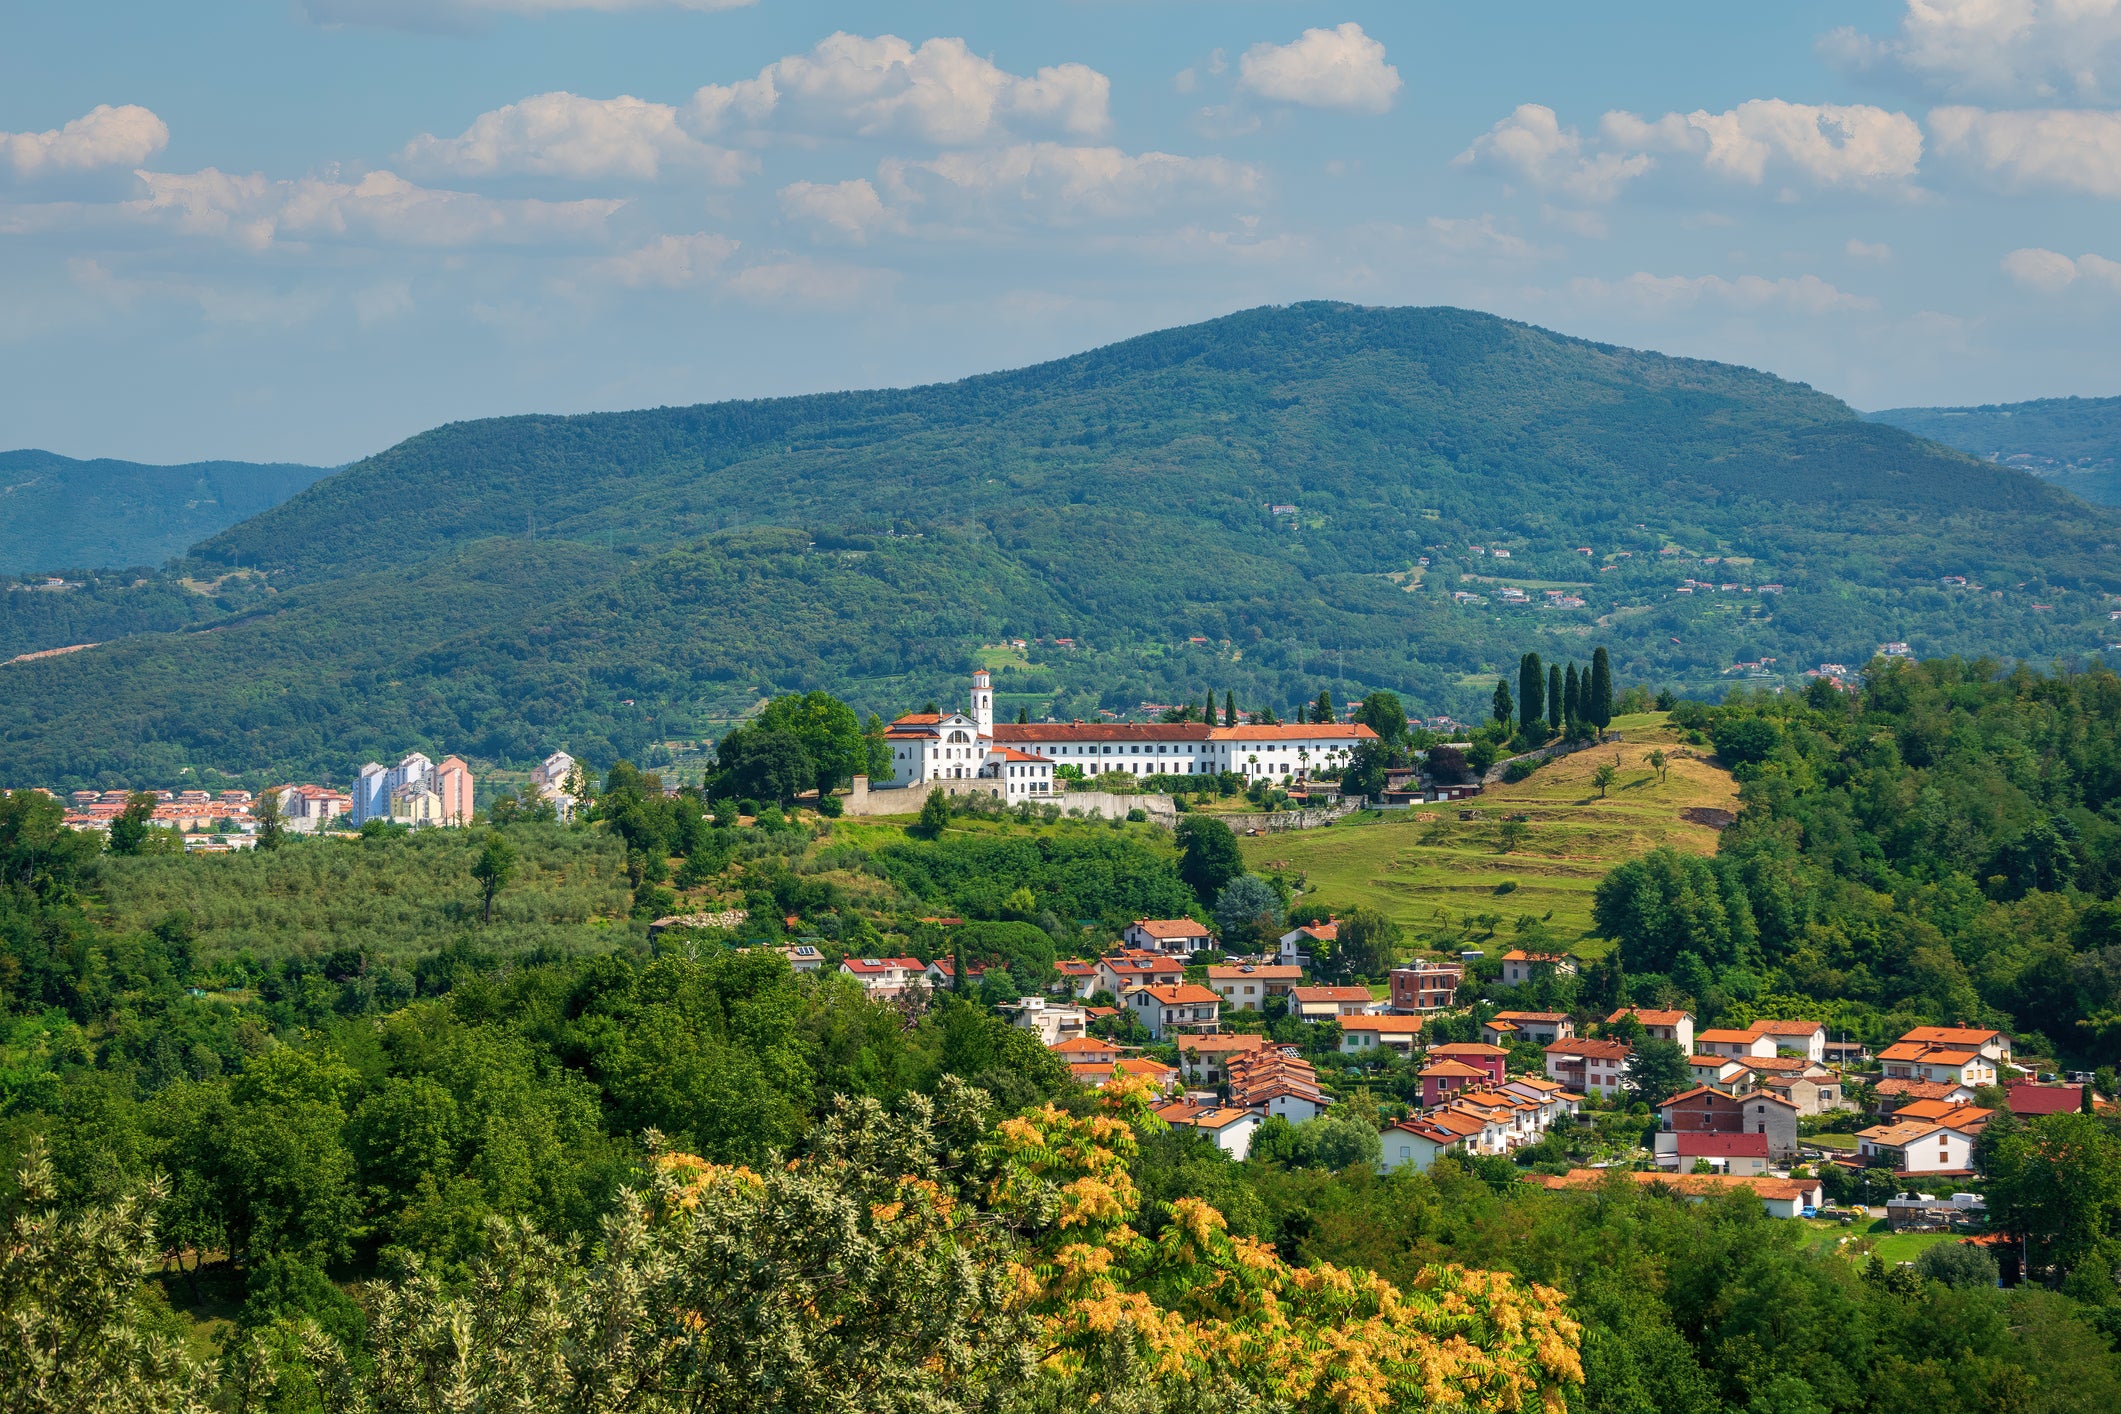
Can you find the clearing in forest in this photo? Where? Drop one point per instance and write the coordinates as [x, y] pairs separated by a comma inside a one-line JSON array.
[[1411, 864]]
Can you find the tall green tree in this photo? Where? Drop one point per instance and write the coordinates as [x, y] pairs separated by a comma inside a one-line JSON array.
[[494, 867], [761, 763], [1229, 708], [1599, 709], [829, 731], [1323, 712], [1365, 944], [1502, 707], [1382, 712], [1572, 696], [2056, 1182], [128, 833], [272, 825], [1247, 914], [1208, 857], [935, 815], [1531, 689], [1657, 1071], [1557, 705]]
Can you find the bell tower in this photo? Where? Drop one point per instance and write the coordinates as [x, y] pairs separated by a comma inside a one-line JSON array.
[[983, 703]]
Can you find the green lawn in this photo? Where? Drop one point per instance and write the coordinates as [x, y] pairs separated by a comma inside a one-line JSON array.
[[1904, 1246], [1411, 864]]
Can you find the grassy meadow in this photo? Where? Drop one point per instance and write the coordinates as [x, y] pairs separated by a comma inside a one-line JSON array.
[[1411, 864]]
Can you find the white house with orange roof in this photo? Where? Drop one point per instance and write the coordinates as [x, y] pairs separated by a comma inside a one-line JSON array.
[[1118, 971], [1674, 1026], [1519, 966], [1245, 986], [1178, 936], [1173, 1010], [1374, 1035], [1228, 1127], [884, 977]]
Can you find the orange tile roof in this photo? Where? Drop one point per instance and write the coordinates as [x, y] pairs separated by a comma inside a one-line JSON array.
[[1452, 1067], [1603, 1050], [1171, 927], [1295, 731], [1549, 1016], [1787, 1028], [1332, 994], [1467, 1048], [1392, 1025], [1267, 972], [1084, 1045], [1221, 1045], [1974, 1036], [1099, 731], [1650, 1017], [1184, 994]]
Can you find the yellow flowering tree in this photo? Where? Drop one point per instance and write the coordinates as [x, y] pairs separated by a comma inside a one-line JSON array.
[[1198, 1309]]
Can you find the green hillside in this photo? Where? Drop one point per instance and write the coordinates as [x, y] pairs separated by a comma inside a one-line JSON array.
[[2073, 442], [58, 513], [607, 582]]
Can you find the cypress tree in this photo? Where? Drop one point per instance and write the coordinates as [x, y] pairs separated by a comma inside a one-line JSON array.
[[1531, 689], [1572, 697], [1598, 702], [1324, 710], [1555, 705], [1229, 707], [1503, 706]]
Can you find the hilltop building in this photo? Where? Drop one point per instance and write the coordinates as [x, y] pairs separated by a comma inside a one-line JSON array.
[[969, 745], [550, 781]]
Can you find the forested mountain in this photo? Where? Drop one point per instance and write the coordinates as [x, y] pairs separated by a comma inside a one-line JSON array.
[[2073, 442], [1267, 484], [57, 513]]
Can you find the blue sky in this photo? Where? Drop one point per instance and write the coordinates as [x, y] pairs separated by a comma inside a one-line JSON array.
[[305, 229]]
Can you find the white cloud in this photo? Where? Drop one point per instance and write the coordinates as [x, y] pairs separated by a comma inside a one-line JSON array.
[[1067, 184], [940, 92], [380, 208], [811, 283], [1663, 294], [1868, 250], [1532, 144], [467, 14], [2072, 149], [670, 262], [2051, 272], [1829, 144], [103, 137], [565, 135], [851, 210], [2009, 49], [1322, 68], [1833, 144]]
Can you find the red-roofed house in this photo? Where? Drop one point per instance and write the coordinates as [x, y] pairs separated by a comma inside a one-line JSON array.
[[1296, 944], [1419, 1141], [1228, 1127], [1488, 1060], [2029, 1101], [1519, 966], [1361, 1035], [1539, 1027], [1590, 1067], [1441, 1079], [883, 977], [1116, 972], [1706, 1111], [1208, 1058], [1727, 1153], [1245, 986], [1180, 936], [1078, 978], [1420, 988], [1170, 1011], [1332, 1003], [1674, 1026]]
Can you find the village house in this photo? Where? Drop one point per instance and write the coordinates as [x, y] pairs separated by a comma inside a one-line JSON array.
[[1160, 1076], [1936, 1142], [1942, 1064], [1992, 1046], [1423, 987], [802, 957], [552, 780], [884, 977], [1705, 1111], [1488, 1060], [942, 974], [1519, 966], [1897, 1092], [1180, 937], [1590, 1067], [1743, 1154], [1674, 1026], [1555, 1100], [1441, 1079], [1246, 986], [1053, 1024], [1733, 1077], [1420, 1140], [2028, 1100], [1116, 972], [1276, 1083], [1779, 1197], [1078, 979], [1206, 1058], [1332, 1003], [1087, 1050], [306, 809], [1368, 1035], [1296, 944], [1740, 1045], [1539, 1027], [1169, 1010], [1229, 1129]]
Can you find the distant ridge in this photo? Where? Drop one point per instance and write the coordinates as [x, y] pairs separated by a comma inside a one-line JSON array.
[[609, 582], [58, 513], [2073, 442]]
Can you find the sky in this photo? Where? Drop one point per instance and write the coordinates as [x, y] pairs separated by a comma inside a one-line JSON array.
[[307, 229]]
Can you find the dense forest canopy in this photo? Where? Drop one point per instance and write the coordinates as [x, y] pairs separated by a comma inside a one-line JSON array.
[[609, 581]]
